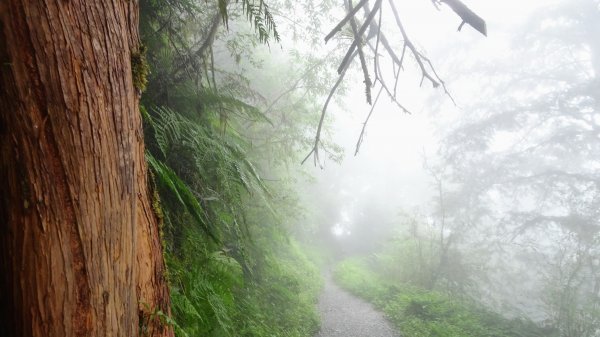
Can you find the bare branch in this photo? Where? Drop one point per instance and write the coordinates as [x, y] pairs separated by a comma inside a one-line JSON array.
[[377, 47], [381, 80], [426, 67], [362, 30], [408, 43], [206, 44]]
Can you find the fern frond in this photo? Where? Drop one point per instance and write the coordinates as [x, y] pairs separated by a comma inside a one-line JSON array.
[[212, 99], [262, 19], [168, 179], [217, 167]]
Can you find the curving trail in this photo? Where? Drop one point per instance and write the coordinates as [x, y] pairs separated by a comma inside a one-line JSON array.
[[344, 315]]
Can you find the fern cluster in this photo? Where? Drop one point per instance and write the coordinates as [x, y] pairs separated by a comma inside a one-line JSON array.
[[230, 261], [203, 171], [233, 269]]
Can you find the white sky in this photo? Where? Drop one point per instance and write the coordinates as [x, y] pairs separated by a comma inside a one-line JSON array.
[[390, 163]]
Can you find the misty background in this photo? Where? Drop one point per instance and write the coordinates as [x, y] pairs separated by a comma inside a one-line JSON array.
[[477, 178], [508, 175]]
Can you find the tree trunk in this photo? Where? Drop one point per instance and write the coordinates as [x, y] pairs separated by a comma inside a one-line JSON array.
[[80, 251]]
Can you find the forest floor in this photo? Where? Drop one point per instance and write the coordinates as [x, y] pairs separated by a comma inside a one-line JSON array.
[[344, 315]]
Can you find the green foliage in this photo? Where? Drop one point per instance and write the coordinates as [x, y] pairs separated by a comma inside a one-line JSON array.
[[235, 272], [202, 296], [152, 317], [282, 298], [169, 180], [258, 13], [233, 268], [211, 296], [262, 19], [206, 173], [423, 313]]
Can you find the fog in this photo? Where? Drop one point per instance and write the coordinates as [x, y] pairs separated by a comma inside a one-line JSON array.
[[476, 175], [508, 174]]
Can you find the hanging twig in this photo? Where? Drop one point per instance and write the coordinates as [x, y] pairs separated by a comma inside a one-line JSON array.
[[399, 69], [315, 149], [212, 67], [436, 81], [362, 132], [387, 90]]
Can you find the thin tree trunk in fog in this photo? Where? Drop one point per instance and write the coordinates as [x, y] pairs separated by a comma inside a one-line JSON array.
[[80, 252]]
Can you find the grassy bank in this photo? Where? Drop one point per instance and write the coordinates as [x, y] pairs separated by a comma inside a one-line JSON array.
[[421, 313]]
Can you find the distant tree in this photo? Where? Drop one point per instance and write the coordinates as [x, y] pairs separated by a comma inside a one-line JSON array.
[[524, 164]]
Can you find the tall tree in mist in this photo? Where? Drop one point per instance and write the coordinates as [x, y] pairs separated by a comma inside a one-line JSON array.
[[80, 253], [525, 161]]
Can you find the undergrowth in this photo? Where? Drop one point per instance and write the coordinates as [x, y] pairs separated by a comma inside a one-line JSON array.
[[233, 269], [418, 312], [212, 297]]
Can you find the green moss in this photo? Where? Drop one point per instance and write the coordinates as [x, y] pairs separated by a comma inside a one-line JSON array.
[[140, 68], [158, 212]]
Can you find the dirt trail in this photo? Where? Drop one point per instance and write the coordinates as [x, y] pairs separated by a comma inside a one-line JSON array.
[[344, 315]]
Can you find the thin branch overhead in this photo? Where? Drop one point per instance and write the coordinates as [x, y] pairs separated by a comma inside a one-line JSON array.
[[367, 27]]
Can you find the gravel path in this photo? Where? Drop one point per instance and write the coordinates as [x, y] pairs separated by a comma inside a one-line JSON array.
[[344, 315]]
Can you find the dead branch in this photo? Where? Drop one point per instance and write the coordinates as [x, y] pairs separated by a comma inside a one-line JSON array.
[[361, 54], [467, 15], [341, 24], [361, 32], [425, 65]]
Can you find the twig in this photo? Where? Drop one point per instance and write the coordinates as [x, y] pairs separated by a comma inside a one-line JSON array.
[[412, 47], [385, 87], [212, 32], [362, 132], [315, 150]]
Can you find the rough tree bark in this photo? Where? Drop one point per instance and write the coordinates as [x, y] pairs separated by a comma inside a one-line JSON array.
[[80, 252]]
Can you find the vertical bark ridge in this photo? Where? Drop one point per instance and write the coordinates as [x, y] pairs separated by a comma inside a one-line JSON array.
[[79, 244]]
